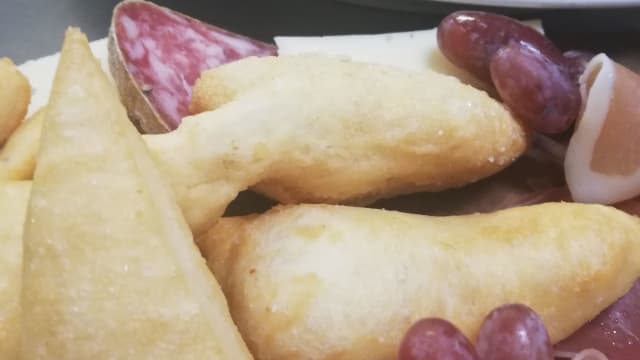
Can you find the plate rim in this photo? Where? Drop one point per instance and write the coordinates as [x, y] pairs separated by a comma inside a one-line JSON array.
[[544, 4]]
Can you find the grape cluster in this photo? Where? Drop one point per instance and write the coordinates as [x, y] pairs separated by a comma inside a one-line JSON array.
[[533, 77], [510, 332]]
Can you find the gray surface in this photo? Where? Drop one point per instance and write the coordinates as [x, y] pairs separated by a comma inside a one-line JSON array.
[[33, 28]]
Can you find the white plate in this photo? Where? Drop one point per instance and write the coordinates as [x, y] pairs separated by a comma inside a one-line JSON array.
[[545, 4]]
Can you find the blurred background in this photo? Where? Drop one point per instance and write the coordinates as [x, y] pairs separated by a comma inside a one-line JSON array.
[[34, 28]]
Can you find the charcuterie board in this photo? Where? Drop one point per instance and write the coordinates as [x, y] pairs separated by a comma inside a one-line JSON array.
[[422, 193]]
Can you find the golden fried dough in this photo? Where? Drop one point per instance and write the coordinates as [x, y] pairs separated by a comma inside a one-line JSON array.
[[111, 270], [15, 94], [331, 131], [18, 156], [220, 85], [14, 197], [216, 88], [334, 282], [335, 131]]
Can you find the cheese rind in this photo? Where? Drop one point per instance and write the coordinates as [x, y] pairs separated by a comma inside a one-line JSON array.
[[410, 50]]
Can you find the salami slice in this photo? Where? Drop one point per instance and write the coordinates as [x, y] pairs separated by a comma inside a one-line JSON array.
[[156, 55]]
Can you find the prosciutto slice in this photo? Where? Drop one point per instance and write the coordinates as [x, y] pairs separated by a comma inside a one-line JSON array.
[[603, 163]]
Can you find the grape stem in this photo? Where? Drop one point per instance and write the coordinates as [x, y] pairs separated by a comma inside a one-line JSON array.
[[546, 149]]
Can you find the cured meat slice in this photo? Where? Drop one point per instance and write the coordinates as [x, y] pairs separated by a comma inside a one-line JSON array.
[[156, 55], [602, 163], [615, 332]]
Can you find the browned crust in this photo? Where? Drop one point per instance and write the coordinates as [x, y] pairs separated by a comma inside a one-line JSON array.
[[139, 109]]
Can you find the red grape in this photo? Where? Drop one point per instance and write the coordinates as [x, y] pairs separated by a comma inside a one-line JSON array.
[[513, 332], [535, 89], [435, 339], [534, 79], [469, 39], [576, 62]]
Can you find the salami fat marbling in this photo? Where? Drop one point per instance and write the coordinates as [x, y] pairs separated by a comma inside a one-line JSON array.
[[156, 55]]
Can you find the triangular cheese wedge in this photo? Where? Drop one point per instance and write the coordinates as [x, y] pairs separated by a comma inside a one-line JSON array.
[[14, 197], [111, 271]]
